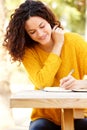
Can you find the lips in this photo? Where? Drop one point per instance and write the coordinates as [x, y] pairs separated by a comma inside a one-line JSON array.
[[43, 37]]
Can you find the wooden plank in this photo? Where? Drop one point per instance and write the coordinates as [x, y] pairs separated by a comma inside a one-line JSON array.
[[78, 113], [48, 103], [66, 101], [67, 120]]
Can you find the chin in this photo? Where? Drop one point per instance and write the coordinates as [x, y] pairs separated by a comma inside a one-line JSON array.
[[45, 41]]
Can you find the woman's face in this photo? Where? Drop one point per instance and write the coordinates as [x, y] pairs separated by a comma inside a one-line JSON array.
[[38, 29]]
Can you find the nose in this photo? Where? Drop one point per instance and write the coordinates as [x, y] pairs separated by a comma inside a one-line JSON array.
[[39, 32]]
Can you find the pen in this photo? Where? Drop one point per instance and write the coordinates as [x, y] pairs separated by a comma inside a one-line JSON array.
[[71, 72]]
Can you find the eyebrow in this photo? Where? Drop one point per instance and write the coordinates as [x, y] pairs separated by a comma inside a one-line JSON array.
[[39, 26]]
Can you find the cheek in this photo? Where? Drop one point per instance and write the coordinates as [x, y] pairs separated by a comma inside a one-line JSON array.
[[32, 36], [49, 29]]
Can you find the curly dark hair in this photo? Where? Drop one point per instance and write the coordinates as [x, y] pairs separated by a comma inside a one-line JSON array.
[[16, 38]]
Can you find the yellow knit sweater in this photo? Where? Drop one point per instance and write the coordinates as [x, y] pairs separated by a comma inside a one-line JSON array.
[[46, 69]]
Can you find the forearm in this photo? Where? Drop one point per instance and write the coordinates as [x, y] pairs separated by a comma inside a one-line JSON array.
[[42, 74], [57, 49], [45, 75], [70, 82]]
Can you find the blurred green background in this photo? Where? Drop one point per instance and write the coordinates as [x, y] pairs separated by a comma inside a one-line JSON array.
[[72, 13]]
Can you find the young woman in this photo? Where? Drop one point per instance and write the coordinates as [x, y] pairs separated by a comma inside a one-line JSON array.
[[36, 38]]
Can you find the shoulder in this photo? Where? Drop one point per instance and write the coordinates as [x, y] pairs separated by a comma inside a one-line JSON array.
[[74, 38], [29, 53], [76, 42]]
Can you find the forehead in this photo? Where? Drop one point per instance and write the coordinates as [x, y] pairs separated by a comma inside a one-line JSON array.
[[34, 21]]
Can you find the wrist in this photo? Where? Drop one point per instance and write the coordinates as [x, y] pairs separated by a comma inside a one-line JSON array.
[[57, 49]]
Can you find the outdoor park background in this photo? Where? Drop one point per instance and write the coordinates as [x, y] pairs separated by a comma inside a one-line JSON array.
[[13, 78]]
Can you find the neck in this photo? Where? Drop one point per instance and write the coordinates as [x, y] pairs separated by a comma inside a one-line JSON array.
[[47, 47]]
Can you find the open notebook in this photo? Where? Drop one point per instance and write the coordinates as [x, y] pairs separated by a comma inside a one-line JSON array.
[[56, 89], [60, 89], [79, 90]]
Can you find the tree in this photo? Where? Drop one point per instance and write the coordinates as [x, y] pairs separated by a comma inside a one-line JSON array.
[[8, 69], [71, 13], [2, 18]]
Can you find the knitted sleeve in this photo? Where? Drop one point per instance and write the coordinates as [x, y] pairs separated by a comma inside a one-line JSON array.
[[41, 76]]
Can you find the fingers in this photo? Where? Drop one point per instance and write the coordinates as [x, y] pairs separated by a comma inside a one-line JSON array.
[[67, 82], [57, 29]]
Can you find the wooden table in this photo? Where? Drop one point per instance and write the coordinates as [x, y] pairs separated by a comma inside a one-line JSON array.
[[67, 101]]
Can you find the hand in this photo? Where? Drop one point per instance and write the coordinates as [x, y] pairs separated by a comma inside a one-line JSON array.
[[58, 40], [57, 35], [70, 82]]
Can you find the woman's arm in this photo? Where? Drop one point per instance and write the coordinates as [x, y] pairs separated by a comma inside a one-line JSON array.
[[70, 82], [41, 75]]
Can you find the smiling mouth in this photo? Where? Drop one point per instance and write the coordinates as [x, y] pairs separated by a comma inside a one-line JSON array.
[[43, 37]]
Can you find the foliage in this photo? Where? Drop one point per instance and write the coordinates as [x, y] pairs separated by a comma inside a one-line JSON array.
[[10, 6], [71, 13]]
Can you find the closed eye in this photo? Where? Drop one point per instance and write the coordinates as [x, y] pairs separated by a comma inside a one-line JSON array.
[[32, 32], [42, 26]]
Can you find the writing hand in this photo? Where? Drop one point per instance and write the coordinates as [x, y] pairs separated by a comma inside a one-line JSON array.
[[69, 82]]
